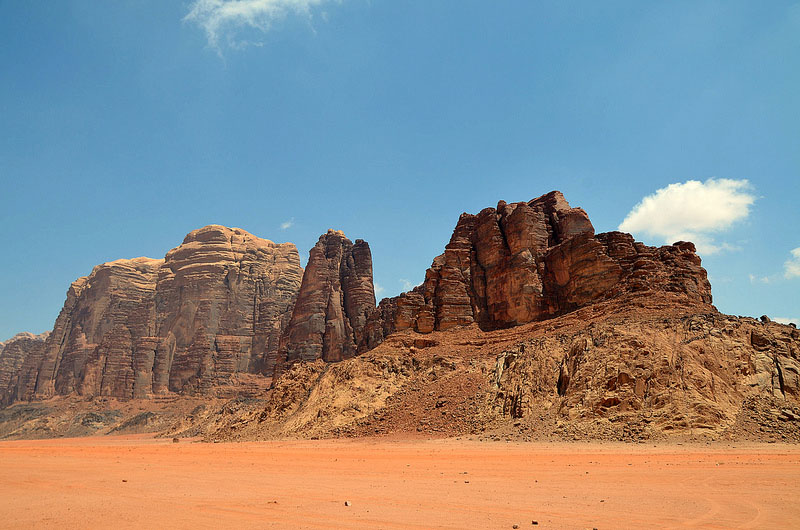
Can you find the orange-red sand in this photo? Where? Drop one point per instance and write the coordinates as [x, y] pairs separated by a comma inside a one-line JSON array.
[[138, 482]]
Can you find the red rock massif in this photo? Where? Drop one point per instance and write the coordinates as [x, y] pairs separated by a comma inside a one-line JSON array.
[[527, 317], [336, 295], [524, 262]]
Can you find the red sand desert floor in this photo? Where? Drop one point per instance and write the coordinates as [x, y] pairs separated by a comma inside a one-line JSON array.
[[135, 482]]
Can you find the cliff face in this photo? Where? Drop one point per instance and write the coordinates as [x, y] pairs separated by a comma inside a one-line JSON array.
[[13, 354], [564, 330], [214, 307], [224, 299], [223, 302], [336, 295], [523, 262]]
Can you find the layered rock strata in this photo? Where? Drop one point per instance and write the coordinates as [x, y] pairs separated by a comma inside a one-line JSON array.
[[336, 295], [225, 298], [216, 306], [13, 354], [529, 261], [223, 302]]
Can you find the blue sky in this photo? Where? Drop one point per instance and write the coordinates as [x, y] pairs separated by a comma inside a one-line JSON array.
[[124, 125]]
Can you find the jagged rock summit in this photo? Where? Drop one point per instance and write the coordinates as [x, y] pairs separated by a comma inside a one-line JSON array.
[[336, 295], [528, 261]]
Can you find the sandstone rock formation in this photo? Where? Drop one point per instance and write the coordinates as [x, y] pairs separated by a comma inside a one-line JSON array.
[[655, 372], [13, 354], [532, 326], [214, 307], [523, 262], [224, 299], [335, 297], [223, 302]]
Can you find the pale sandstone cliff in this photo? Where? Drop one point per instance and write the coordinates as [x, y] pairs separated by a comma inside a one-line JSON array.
[[13, 354], [214, 307]]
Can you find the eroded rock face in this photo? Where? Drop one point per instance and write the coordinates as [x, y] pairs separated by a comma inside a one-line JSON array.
[[224, 299], [13, 354], [335, 298], [523, 262], [659, 372], [216, 306], [223, 302]]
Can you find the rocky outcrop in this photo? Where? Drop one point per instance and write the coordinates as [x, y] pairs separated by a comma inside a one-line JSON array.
[[645, 367], [13, 354], [654, 372], [223, 302], [216, 306], [529, 261], [335, 297]]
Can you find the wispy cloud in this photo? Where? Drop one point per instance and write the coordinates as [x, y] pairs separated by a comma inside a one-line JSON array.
[[692, 211], [287, 224], [791, 268], [407, 285], [760, 279], [786, 320], [379, 290], [222, 20]]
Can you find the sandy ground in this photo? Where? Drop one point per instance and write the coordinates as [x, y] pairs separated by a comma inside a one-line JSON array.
[[136, 481]]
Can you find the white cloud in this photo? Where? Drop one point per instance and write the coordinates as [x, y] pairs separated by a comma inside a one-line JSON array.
[[379, 290], [287, 224], [692, 211], [785, 320], [224, 18], [760, 279], [407, 285], [791, 269]]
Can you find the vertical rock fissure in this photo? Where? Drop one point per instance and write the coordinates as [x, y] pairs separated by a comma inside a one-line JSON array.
[[780, 374]]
